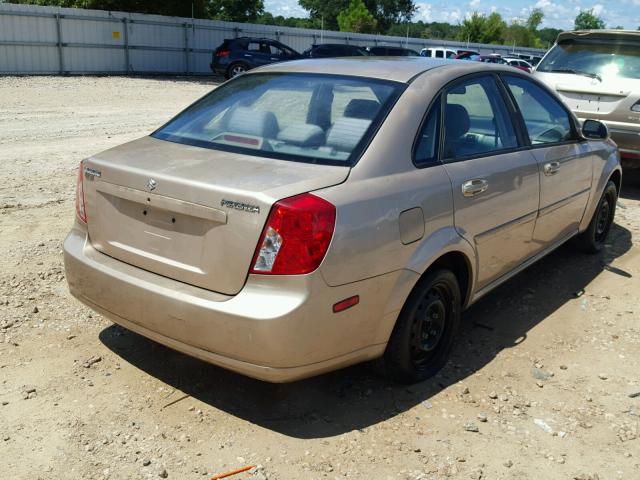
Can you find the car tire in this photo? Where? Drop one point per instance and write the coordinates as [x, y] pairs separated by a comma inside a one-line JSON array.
[[593, 238], [235, 69], [425, 330]]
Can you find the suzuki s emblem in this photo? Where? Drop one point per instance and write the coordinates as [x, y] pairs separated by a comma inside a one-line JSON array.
[[152, 184]]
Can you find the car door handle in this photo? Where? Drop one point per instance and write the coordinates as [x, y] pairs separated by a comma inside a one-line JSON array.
[[248, 55], [551, 168], [275, 58], [474, 187]]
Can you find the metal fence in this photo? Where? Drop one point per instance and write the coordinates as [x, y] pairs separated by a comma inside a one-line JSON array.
[[53, 40]]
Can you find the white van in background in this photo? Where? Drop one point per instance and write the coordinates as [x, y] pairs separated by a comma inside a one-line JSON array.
[[438, 52]]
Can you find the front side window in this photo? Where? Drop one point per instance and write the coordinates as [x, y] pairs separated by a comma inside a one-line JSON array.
[[546, 120], [476, 120], [313, 118]]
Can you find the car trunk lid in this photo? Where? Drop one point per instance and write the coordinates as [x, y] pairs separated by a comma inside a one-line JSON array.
[[189, 213], [588, 96]]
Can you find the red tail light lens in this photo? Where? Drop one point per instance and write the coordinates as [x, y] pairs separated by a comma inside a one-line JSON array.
[[223, 53], [80, 208], [296, 236]]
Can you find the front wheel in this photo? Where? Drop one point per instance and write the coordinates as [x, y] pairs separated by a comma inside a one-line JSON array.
[[594, 237], [236, 69], [426, 328]]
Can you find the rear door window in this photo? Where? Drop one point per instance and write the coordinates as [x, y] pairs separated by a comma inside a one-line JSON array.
[[476, 120], [545, 118]]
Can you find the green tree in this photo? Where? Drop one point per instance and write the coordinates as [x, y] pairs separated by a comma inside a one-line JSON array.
[[535, 19], [357, 18], [587, 20], [177, 8], [518, 35], [235, 10], [493, 29], [472, 28], [386, 12], [231, 10], [548, 35]]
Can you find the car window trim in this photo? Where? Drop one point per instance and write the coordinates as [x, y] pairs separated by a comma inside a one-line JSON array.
[[491, 153], [572, 121], [435, 102]]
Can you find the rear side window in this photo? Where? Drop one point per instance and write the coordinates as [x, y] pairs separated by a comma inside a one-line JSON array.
[[546, 120], [439, 54], [313, 118], [476, 120]]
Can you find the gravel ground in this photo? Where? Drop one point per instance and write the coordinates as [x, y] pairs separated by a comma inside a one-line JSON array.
[[540, 385]]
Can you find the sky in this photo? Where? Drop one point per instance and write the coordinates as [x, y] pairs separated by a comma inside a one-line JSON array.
[[557, 13]]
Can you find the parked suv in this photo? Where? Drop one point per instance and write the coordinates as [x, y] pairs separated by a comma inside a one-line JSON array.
[[330, 50], [237, 55], [597, 74]]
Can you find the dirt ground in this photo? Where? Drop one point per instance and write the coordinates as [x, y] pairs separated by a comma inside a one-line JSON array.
[[540, 385]]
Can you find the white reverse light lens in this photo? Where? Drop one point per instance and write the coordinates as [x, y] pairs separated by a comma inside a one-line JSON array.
[[268, 251]]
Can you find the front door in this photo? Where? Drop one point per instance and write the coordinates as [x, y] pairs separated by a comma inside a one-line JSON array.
[[495, 185], [565, 165]]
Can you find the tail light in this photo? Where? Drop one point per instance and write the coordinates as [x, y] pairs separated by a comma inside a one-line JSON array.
[[296, 236], [80, 208], [223, 53]]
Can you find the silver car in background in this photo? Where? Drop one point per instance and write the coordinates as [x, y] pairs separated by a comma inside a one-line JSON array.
[[597, 74]]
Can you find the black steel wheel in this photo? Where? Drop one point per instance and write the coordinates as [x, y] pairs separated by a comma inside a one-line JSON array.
[[593, 238], [425, 330]]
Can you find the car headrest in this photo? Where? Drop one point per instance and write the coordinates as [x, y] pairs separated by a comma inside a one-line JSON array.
[[249, 121], [362, 108], [456, 121], [304, 135], [346, 133]]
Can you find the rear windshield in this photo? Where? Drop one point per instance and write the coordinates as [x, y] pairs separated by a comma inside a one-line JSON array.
[[604, 58], [324, 119]]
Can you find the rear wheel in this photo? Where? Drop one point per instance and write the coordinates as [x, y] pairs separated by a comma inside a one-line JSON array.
[[236, 69], [425, 331], [594, 237]]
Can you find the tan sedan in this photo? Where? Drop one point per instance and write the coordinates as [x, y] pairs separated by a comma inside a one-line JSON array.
[[294, 221]]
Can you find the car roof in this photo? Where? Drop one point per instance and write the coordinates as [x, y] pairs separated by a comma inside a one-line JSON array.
[[336, 45], [604, 33], [399, 69]]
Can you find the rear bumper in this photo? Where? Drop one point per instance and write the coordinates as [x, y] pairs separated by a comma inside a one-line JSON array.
[[276, 329]]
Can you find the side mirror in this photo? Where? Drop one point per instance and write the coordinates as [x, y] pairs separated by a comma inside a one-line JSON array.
[[594, 130]]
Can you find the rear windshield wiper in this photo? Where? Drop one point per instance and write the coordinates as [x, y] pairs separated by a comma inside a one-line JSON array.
[[576, 72]]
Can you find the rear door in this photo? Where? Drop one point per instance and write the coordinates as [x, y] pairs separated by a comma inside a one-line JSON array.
[[565, 164], [495, 182], [258, 53]]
